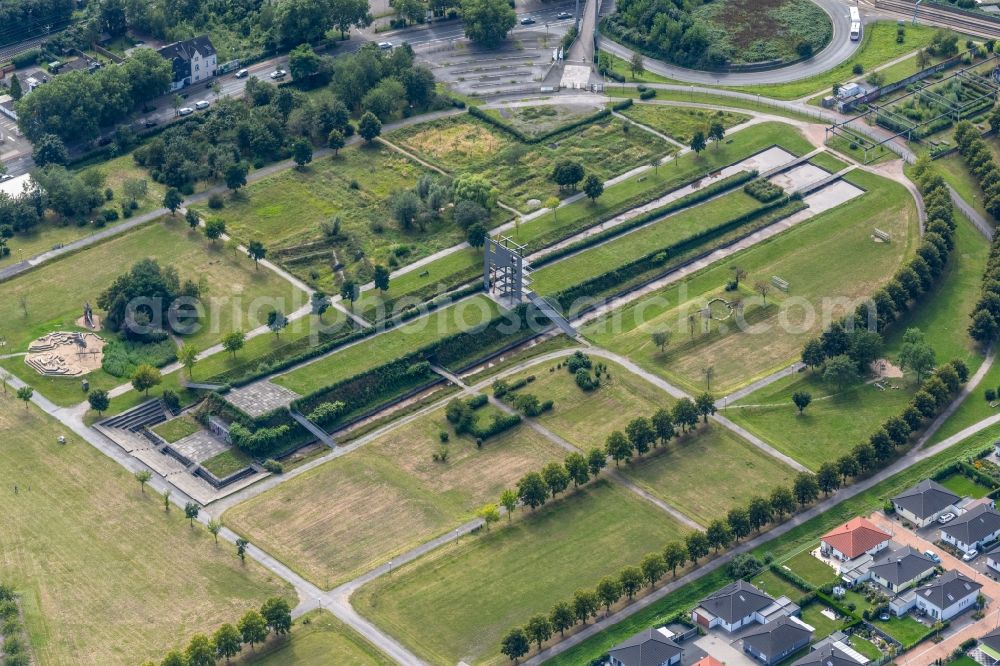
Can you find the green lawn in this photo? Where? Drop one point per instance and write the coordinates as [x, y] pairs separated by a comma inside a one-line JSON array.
[[227, 462], [824, 626], [521, 172], [677, 473], [360, 510], [830, 427], [621, 67], [317, 639], [953, 169], [107, 577], [906, 630], [963, 486], [177, 429], [480, 586], [773, 584], [808, 568], [680, 123], [390, 345], [964, 661], [810, 256], [859, 151], [542, 118], [865, 647], [826, 160]]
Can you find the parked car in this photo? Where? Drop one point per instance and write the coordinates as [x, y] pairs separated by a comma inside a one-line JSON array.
[[527, 20], [946, 518], [971, 555], [385, 46], [278, 74], [242, 74], [4, 178], [202, 104], [564, 15], [884, 617], [932, 556], [185, 111], [150, 122]]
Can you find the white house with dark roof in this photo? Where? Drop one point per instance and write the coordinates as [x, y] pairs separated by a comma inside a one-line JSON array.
[[738, 605], [993, 558], [942, 599], [778, 640], [901, 569], [192, 60], [652, 647], [925, 502], [989, 648], [973, 529]]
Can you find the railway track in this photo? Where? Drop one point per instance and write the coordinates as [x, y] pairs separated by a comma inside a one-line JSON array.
[[977, 26]]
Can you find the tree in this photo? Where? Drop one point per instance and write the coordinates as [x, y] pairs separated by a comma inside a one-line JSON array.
[[532, 490], [214, 229], [674, 555], [717, 132], [487, 21], [143, 476], [15, 88], [200, 651], [476, 235], [805, 488], [99, 400], [302, 152], [593, 187], [562, 617], [848, 466], [369, 127], [347, 13], [192, 219], [801, 399], [718, 534], [841, 371], [277, 614], [813, 354], [782, 501], [381, 278], [50, 149], [539, 629], [172, 200], [653, 567], [631, 580], [828, 478], [253, 627], [618, 447], [984, 327], [660, 338], [698, 142], [191, 511], [508, 500], [636, 64], [759, 511], [739, 522], [214, 527], [241, 549], [174, 658], [188, 357], [335, 141], [234, 341], [663, 425], [256, 251], [515, 644], [641, 434], [236, 175], [576, 467], [763, 288], [697, 545], [145, 377], [706, 405], [406, 207], [228, 642], [276, 321], [585, 605], [915, 354], [349, 291], [685, 414], [566, 174], [609, 591], [489, 513], [597, 460]]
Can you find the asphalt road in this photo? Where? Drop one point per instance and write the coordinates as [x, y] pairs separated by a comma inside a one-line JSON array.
[[837, 51]]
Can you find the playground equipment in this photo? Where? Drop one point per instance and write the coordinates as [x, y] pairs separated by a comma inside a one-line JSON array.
[[780, 284]]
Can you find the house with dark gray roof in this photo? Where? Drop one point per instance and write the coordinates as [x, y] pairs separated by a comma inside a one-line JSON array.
[[736, 605], [993, 558], [832, 654], [901, 569], [192, 60], [777, 640], [944, 598], [973, 529], [651, 647], [989, 647], [925, 502]]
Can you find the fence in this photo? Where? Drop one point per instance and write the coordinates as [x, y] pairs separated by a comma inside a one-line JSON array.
[[888, 88]]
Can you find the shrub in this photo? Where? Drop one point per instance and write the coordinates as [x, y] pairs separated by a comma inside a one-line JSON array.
[[647, 94], [443, 436], [991, 395], [577, 361], [327, 411], [763, 191], [273, 466], [109, 214], [585, 381], [215, 202], [171, 400]]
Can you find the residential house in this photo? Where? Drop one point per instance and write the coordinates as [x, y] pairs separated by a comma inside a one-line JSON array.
[[777, 640], [855, 538], [832, 654], [993, 558], [989, 648], [944, 598], [652, 647], [925, 502], [740, 604], [901, 569], [192, 60], [973, 529], [708, 660]]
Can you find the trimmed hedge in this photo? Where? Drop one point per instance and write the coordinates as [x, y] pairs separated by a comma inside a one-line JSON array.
[[763, 191], [476, 112]]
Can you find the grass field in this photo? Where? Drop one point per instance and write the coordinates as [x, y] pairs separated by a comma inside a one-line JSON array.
[[317, 639], [826, 160], [865, 647], [963, 486], [680, 123], [120, 169], [521, 172], [227, 462], [479, 587], [360, 510], [773, 584], [106, 577], [809, 256], [390, 345], [177, 429], [676, 473], [608, 256], [543, 118], [813, 616], [810, 569], [906, 630], [829, 427]]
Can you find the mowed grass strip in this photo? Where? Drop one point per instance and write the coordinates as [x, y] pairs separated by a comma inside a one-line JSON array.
[[811, 256], [107, 577], [317, 639], [358, 511], [678, 473], [375, 351], [479, 587], [680, 123], [659, 235]]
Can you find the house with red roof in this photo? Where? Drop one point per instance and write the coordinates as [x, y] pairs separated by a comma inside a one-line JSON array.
[[708, 660], [856, 537]]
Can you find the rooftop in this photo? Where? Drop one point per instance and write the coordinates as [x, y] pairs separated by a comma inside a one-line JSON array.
[[736, 601], [855, 537], [951, 587], [925, 499], [647, 648], [974, 525]]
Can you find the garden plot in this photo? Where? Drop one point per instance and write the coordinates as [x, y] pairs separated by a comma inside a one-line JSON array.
[[358, 511], [680, 122]]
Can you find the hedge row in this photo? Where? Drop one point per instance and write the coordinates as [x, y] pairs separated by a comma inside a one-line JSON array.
[[985, 326], [660, 257], [545, 136], [979, 159], [688, 200]]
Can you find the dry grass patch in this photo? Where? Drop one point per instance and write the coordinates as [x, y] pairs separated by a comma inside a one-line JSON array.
[[453, 142]]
